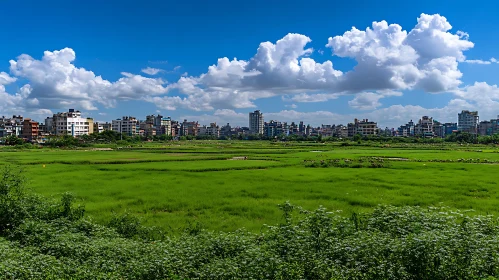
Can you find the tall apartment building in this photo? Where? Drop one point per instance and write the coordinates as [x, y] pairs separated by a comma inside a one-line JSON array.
[[68, 123], [467, 121], [301, 127], [163, 125], [30, 129], [126, 125], [256, 122]]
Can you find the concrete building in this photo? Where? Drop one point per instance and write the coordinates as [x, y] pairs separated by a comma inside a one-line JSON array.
[[449, 128], [162, 125], [438, 129], [467, 121], [341, 131], [50, 128], [363, 127], [11, 126], [189, 128], [226, 131], [90, 122], [275, 128], [326, 130], [406, 130], [100, 127], [424, 127], [212, 130], [256, 122], [30, 129], [126, 126], [301, 128], [489, 127], [68, 123], [175, 130]]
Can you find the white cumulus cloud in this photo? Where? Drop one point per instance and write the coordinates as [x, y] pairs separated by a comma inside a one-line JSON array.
[[388, 58], [152, 71], [55, 82]]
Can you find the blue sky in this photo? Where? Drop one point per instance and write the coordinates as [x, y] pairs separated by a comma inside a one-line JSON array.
[[115, 58]]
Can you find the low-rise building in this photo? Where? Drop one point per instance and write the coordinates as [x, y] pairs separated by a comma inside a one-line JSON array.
[[363, 127], [341, 131], [68, 123], [212, 130], [450, 128], [100, 127], [127, 125], [11, 126], [406, 130], [488, 127], [189, 128], [30, 129], [424, 127]]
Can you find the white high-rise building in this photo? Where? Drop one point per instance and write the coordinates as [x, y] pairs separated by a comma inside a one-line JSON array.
[[256, 122], [68, 123]]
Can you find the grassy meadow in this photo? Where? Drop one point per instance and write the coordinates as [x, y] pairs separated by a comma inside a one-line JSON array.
[[226, 185]]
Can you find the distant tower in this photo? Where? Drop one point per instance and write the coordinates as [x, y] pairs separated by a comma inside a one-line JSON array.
[[256, 122]]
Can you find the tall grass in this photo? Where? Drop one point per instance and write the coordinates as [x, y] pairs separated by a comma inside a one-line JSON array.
[[170, 190], [45, 239]]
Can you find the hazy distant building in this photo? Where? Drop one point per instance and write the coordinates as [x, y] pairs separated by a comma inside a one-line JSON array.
[[189, 128], [467, 121], [226, 130], [212, 130], [341, 131], [449, 128], [256, 123], [489, 127]]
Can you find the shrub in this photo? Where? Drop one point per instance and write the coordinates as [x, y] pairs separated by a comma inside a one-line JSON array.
[[42, 239]]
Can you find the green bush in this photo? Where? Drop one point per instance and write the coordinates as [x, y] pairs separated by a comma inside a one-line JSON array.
[[44, 239]]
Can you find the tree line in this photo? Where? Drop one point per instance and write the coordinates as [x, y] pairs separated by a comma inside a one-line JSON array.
[[113, 137]]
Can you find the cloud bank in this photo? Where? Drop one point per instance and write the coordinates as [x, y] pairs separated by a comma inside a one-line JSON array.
[[389, 60]]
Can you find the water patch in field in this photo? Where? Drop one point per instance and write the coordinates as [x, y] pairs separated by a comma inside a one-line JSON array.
[[396, 158]]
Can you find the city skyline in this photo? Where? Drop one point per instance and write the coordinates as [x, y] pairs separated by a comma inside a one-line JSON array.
[[389, 64]]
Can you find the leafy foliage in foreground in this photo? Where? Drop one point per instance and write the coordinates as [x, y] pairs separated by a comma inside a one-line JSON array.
[[41, 239]]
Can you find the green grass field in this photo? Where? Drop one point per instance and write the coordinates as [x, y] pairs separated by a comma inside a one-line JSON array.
[[174, 185]]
